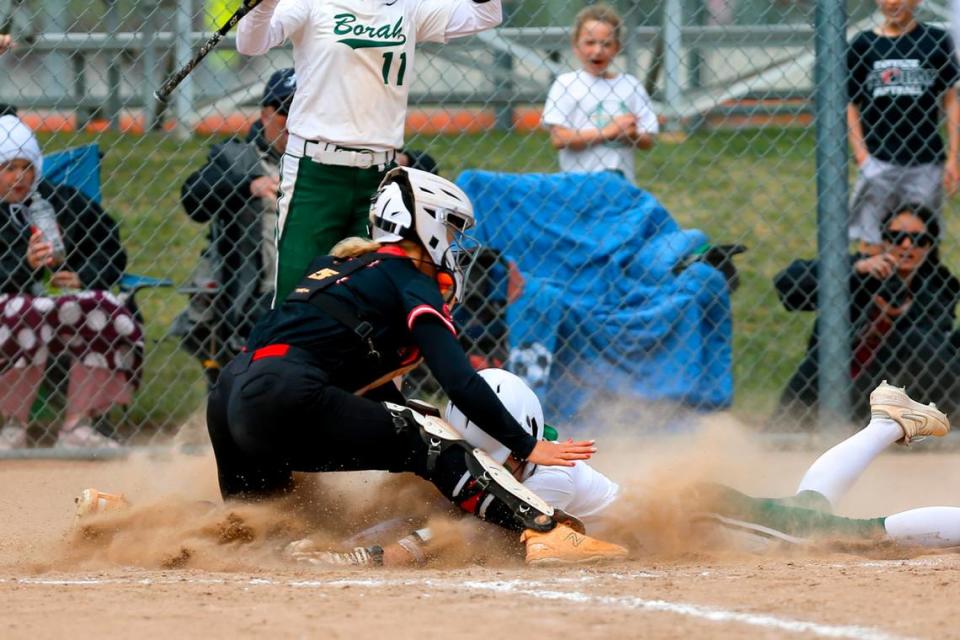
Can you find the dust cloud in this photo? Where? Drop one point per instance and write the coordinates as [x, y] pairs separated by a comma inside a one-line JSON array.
[[176, 519]]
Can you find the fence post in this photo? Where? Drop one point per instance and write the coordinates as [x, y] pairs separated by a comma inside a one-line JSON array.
[[695, 59], [183, 96], [630, 24], [80, 88], [504, 60], [55, 20], [833, 294], [504, 112], [672, 49], [150, 63], [112, 22]]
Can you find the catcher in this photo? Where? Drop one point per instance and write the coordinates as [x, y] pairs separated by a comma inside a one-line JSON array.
[[314, 392]]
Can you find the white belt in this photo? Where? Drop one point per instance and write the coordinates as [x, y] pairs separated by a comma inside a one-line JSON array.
[[330, 153]]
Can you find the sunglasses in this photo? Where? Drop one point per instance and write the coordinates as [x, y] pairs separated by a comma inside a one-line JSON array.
[[917, 238]]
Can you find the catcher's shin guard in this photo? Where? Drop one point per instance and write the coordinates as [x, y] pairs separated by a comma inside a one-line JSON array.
[[489, 475], [438, 435]]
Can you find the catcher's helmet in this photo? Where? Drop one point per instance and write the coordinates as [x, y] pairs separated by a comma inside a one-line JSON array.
[[416, 205]]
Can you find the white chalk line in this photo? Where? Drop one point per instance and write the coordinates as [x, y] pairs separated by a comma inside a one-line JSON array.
[[712, 614], [537, 589]]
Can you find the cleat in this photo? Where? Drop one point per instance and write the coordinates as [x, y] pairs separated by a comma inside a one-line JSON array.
[[92, 501], [300, 547], [563, 545], [917, 420], [743, 535], [306, 551], [12, 436], [84, 436]]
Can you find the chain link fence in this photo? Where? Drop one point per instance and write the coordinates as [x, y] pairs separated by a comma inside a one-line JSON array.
[[616, 293]]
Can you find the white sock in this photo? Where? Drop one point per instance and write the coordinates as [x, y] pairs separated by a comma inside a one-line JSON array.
[[834, 472], [927, 526]]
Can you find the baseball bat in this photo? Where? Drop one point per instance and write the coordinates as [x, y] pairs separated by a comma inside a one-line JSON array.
[[171, 83]]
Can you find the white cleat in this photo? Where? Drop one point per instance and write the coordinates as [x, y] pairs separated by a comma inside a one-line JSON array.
[[917, 420], [84, 436], [12, 436], [741, 535], [91, 502]]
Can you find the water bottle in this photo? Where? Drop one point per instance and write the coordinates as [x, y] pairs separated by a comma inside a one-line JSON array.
[[44, 218]]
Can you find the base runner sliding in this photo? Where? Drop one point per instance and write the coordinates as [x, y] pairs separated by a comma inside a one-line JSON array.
[[596, 501]]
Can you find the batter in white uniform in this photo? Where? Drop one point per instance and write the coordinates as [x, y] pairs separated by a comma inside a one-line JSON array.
[[354, 64]]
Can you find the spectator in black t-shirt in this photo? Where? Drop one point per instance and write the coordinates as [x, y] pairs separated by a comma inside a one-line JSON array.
[[900, 76]]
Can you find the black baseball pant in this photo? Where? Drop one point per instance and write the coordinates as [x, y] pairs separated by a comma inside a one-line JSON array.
[[270, 416]]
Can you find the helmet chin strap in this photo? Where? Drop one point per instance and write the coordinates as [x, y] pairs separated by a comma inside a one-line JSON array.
[[446, 282]]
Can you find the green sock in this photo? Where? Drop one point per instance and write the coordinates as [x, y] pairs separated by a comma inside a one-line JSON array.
[[782, 515]]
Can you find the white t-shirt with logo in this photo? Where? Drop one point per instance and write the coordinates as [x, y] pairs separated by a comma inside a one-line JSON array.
[[354, 59], [580, 491], [581, 100]]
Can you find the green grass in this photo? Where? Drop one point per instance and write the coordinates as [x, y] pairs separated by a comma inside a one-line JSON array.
[[755, 187]]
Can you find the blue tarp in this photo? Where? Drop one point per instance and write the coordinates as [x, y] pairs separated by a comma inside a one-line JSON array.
[[78, 167], [602, 313]]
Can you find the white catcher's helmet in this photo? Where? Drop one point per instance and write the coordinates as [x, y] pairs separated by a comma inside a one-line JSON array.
[[519, 400], [417, 205]]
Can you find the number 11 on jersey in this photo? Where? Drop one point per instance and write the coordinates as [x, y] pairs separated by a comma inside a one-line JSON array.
[[388, 66]]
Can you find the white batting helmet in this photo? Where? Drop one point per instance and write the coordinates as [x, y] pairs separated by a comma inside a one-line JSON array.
[[417, 205], [518, 399]]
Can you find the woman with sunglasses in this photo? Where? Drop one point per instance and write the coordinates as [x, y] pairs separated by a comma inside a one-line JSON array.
[[314, 389], [902, 303]]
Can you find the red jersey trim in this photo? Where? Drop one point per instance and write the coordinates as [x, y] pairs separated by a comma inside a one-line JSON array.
[[413, 356], [422, 309], [392, 250], [271, 351]]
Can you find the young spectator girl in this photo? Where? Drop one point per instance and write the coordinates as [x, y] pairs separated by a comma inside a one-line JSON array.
[[597, 117]]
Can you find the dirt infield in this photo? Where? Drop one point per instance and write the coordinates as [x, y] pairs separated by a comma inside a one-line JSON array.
[[174, 565]]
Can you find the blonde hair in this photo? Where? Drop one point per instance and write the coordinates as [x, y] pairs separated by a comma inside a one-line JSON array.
[[353, 247], [600, 13]]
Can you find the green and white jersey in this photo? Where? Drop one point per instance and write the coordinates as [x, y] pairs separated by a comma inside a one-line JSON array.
[[354, 59]]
